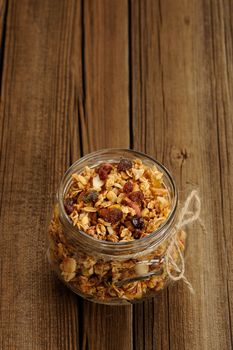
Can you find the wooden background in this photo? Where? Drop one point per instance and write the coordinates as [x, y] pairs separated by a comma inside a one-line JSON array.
[[79, 75]]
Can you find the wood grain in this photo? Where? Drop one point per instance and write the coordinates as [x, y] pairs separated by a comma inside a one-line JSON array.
[[49, 120], [36, 311], [103, 114], [76, 76], [182, 101]]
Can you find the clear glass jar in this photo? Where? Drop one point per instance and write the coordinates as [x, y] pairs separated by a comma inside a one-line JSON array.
[[108, 272]]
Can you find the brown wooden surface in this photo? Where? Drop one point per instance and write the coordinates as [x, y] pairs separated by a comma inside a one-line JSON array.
[[80, 75]]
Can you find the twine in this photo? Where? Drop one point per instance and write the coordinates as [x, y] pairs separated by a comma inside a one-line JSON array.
[[186, 217]]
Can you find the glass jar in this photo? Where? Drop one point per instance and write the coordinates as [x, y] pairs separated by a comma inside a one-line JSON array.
[[108, 272]]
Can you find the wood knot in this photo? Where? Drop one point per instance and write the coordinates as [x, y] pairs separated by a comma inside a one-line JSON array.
[[180, 154], [184, 154], [187, 20]]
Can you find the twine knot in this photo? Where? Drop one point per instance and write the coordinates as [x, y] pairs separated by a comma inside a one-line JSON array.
[[189, 213]]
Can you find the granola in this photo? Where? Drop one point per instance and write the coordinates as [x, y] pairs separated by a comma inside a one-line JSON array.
[[117, 202]]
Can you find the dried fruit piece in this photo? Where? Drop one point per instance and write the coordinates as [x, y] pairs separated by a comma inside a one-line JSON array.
[[133, 205], [93, 218], [124, 164], [104, 170], [69, 205], [90, 196], [136, 196], [112, 215], [103, 213], [138, 222], [128, 187]]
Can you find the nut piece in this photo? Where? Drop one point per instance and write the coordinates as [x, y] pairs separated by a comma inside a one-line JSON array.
[[68, 276], [145, 212], [85, 220], [68, 265], [138, 173], [97, 183], [112, 196]]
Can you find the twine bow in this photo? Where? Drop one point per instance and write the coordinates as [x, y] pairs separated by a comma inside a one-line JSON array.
[[186, 217]]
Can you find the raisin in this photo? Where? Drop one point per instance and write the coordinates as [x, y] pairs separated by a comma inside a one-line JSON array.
[[103, 212], [136, 196], [80, 197], [126, 201], [128, 187], [115, 215], [90, 196], [112, 215], [104, 170], [125, 164], [103, 174], [138, 222], [93, 218], [91, 181], [69, 205]]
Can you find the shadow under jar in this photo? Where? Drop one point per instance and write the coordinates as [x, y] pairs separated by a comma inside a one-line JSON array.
[[113, 272]]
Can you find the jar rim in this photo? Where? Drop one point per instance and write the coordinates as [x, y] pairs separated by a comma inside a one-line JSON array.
[[156, 236]]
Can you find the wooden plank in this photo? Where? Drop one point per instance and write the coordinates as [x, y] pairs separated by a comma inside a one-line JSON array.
[[106, 72], [37, 312], [3, 15], [181, 113], [54, 99], [104, 120]]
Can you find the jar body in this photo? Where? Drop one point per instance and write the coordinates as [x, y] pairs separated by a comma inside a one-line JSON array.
[[108, 279], [118, 274]]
